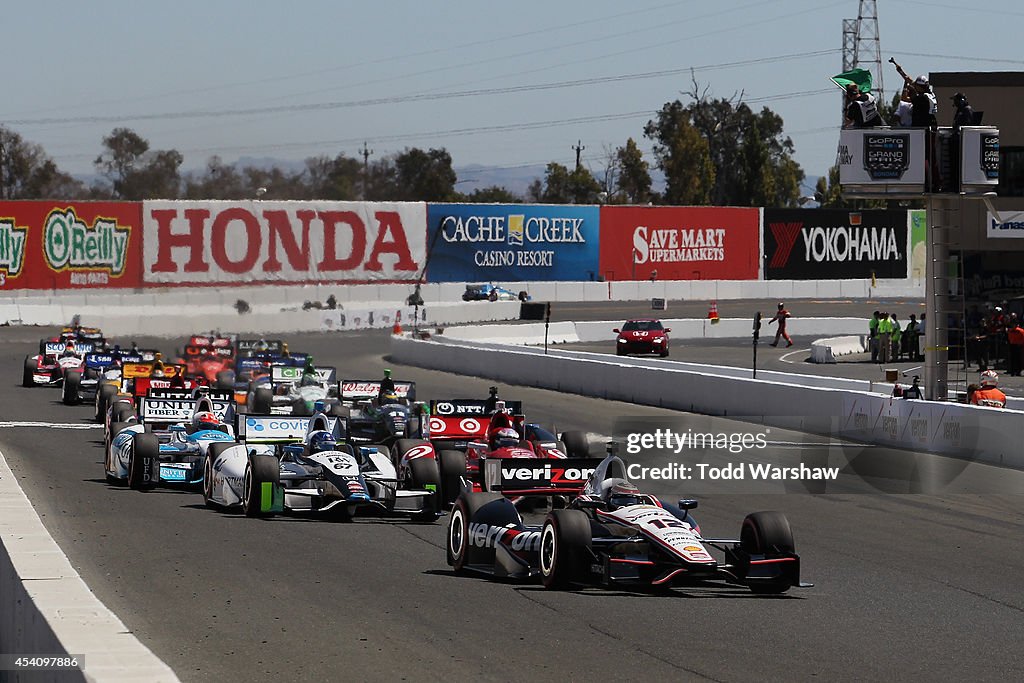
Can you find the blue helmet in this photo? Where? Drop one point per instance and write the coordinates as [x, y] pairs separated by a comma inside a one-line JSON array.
[[321, 441]]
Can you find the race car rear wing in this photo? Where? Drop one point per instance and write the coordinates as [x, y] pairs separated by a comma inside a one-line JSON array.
[[537, 476], [276, 428], [57, 348], [361, 389], [250, 345], [282, 374], [169, 410], [465, 419], [99, 361]]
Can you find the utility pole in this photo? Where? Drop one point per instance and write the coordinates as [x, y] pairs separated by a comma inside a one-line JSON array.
[[579, 149], [366, 152]]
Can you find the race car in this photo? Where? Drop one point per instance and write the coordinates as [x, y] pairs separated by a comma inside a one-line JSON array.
[[47, 368], [211, 359], [290, 390], [319, 472], [612, 535], [489, 292], [180, 427], [82, 383], [642, 335], [464, 435], [383, 418]]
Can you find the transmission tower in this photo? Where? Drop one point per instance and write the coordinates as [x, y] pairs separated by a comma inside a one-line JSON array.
[[868, 51]]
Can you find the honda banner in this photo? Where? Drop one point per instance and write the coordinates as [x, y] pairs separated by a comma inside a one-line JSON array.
[[224, 242], [512, 242], [70, 245], [679, 243], [833, 244]]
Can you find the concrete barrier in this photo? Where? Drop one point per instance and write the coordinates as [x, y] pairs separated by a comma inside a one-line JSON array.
[[48, 609], [827, 350], [982, 434]]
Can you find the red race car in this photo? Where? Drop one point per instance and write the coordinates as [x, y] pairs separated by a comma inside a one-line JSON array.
[[643, 335]]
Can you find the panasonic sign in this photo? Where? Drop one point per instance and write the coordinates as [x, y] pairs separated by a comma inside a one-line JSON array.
[[1009, 224]]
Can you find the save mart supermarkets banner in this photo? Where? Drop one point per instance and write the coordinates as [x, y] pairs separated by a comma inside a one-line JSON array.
[[833, 244], [680, 243], [512, 242], [248, 242], [70, 245]]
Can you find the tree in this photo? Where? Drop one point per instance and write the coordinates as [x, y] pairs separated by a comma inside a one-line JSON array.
[[219, 181], [683, 156], [633, 182], [494, 194], [123, 152], [425, 176], [721, 146], [561, 186], [26, 172]]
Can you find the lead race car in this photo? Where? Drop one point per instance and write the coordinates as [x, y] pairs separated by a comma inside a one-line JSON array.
[[318, 470], [614, 535], [168, 440]]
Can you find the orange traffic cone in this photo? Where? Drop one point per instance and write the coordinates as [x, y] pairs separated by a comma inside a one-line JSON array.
[[397, 329], [713, 312]]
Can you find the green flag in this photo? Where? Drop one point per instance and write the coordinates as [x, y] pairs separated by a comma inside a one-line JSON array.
[[860, 77]]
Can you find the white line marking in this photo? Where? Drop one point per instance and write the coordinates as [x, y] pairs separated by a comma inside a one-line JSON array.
[[53, 425], [787, 355]]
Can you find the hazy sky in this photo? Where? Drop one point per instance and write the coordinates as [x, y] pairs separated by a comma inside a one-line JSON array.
[[498, 84]]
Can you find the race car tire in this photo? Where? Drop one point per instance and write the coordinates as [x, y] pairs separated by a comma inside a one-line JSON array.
[[300, 409], [523, 295], [226, 380], [30, 371], [262, 400], [69, 391], [424, 474], [767, 533], [337, 410], [122, 411], [144, 462], [212, 453], [453, 468], [457, 533], [103, 396], [576, 443], [262, 469], [564, 547]]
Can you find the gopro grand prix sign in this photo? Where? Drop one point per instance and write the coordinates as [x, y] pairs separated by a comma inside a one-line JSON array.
[[223, 242]]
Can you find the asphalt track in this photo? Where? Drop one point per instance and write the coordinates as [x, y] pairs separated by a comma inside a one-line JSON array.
[[907, 586]]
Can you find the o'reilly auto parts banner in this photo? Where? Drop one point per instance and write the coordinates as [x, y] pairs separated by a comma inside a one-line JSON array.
[[831, 244], [512, 242], [679, 243], [70, 245], [225, 242]]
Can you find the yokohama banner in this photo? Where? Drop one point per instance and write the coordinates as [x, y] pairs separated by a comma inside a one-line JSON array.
[[832, 244], [70, 245], [679, 243], [224, 242]]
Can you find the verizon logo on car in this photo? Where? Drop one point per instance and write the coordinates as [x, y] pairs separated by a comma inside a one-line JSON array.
[[224, 242], [546, 474], [487, 536]]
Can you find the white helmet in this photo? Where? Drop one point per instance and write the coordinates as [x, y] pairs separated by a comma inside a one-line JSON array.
[[989, 378]]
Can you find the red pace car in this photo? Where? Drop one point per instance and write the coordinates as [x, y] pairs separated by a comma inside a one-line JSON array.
[[643, 335]]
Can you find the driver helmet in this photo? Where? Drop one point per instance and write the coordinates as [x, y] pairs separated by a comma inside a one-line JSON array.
[[261, 345], [69, 349], [205, 420], [157, 372], [389, 398], [321, 441], [621, 493], [308, 380], [506, 438], [387, 372], [284, 350], [989, 378]]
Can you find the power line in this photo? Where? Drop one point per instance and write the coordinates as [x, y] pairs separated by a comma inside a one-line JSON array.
[[399, 99]]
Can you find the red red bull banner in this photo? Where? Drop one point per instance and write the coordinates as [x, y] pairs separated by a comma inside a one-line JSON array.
[[70, 245], [680, 243]]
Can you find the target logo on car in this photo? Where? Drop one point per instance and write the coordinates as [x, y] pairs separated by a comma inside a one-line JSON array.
[[421, 451], [469, 425], [437, 425]]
